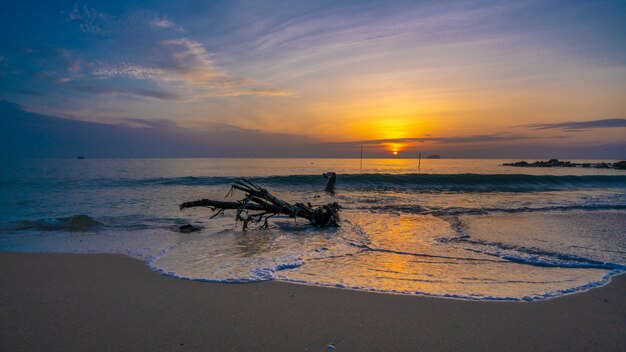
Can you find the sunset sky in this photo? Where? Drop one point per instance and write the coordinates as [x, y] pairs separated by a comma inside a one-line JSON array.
[[462, 78]]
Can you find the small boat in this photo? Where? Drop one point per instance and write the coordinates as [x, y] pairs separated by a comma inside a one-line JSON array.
[[80, 157]]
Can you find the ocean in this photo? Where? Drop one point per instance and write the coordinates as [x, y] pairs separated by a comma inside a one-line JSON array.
[[467, 229]]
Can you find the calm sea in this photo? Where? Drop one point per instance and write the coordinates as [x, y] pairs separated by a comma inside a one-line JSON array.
[[471, 229]]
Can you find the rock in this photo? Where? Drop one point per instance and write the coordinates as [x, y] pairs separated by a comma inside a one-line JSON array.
[[620, 165], [518, 163], [188, 228], [553, 162], [557, 163]]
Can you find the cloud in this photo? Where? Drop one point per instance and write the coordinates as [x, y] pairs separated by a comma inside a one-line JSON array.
[[127, 70], [265, 92], [185, 66], [89, 19], [580, 126], [27, 134], [182, 67], [187, 60], [71, 61], [486, 138], [150, 93], [145, 123], [164, 23]]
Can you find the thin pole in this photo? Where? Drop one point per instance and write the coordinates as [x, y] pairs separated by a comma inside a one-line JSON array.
[[419, 161], [361, 157]]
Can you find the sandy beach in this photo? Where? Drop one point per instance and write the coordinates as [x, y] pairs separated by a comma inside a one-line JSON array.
[[98, 302]]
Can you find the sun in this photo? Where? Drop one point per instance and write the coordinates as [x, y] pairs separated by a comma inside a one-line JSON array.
[[393, 148]]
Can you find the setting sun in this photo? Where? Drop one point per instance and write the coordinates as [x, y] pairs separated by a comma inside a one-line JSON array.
[[394, 148], [381, 175]]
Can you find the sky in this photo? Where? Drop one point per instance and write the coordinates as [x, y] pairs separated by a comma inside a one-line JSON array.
[[313, 78]]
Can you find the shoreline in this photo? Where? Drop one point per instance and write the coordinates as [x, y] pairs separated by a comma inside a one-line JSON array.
[[606, 279], [102, 302], [553, 295]]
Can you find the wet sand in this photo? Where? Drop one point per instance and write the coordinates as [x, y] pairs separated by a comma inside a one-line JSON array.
[[102, 302]]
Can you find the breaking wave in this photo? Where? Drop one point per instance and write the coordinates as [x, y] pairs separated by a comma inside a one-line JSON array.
[[76, 223], [441, 211], [424, 182]]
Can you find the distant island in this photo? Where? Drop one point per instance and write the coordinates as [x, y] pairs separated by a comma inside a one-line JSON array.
[[621, 165], [434, 156]]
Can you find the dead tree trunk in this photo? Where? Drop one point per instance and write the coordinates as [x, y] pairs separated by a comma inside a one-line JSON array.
[[259, 205]]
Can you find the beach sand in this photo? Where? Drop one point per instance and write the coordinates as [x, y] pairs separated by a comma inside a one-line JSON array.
[[101, 302]]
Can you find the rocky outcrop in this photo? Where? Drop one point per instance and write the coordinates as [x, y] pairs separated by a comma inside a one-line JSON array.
[[621, 165]]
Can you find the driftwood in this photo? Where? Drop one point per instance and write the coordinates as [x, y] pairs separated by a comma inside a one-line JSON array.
[[258, 205]]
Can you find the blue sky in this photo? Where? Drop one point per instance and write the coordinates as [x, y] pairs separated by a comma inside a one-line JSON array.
[[326, 71]]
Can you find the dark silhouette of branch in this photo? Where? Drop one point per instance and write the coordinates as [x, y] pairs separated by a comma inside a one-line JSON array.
[[258, 205]]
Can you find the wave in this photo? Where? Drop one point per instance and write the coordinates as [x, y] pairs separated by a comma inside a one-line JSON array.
[[76, 223], [425, 182], [453, 211], [530, 256]]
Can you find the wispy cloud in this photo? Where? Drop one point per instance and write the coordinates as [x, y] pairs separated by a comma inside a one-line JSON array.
[[145, 123], [264, 92], [179, 67], [89, 19], [72, 62], [165, 23], [185, 66], [486, 138], [579, 126], [128, 91], [127, 70], [187, 60]]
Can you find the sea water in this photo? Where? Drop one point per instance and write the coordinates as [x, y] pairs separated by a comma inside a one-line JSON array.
[[470, 229]]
